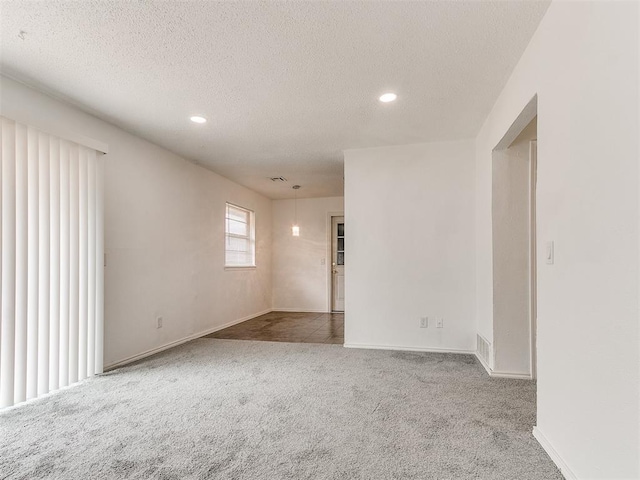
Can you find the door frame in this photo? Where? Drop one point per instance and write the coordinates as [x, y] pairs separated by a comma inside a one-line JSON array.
[[524, 118], [328, 256], [533, 264]]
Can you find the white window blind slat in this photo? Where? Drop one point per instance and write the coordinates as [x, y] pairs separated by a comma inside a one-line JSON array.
[[51, 295], [54, 264], [91, 263], [99, 262], [65, 157], [74, 264], [7, 329], [83, 254], [32, 261], [1, 284], [44, 154], [20, 390]]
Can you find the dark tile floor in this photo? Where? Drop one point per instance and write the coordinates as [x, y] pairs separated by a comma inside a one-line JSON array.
[[291, 327]]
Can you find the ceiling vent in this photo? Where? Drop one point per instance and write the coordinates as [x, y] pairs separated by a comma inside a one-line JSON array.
[[278, 179]]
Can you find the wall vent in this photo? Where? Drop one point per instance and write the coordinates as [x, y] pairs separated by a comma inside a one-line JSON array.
[[484, 351]]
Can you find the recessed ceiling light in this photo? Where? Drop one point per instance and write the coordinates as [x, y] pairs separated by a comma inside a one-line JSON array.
[[388, 97], [198, 119]]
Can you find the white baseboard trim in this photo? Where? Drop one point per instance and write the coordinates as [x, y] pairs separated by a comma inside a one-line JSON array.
[[518, 376], [555, 456], [298, 310], [498, 374], [408, 349], [175, 343]]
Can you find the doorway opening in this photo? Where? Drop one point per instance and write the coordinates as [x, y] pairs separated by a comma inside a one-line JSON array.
[[514, 175], [337, 263]]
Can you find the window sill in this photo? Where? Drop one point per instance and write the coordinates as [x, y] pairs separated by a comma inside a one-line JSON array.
[[240, 267]]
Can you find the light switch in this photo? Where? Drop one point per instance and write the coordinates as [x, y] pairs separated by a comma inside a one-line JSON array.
[[548, 253], [322, 261]]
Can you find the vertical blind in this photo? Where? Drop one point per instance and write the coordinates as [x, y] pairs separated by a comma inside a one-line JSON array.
[[51, 264]]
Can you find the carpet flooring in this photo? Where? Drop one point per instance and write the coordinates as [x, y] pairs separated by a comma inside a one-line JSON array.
[[230, 409]]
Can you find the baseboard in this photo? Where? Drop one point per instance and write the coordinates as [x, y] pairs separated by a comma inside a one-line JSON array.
[[298, 310], [498, 374], [517, 376], [408, 349], [554, 455], [175, 343]]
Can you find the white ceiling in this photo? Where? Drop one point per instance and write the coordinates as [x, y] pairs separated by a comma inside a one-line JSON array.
[[286, 86]]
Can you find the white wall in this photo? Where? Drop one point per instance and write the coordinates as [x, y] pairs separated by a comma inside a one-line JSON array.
[[583, 65], [300, 280], [511, 273], [409, 214], [164, 235]]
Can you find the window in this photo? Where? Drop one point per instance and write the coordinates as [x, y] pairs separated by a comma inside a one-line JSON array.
[[240, 239]]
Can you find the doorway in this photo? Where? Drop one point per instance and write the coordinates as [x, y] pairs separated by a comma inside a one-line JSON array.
[[514, 168], [337, 263]]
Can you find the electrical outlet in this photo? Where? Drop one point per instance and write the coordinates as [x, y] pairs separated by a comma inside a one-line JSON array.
[[440, 323], [159, 322], [424, 322]]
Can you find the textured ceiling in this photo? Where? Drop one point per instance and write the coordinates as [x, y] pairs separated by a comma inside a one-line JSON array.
[[286, 86]]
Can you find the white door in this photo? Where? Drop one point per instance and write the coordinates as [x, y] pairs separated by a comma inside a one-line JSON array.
[[337, 263]]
